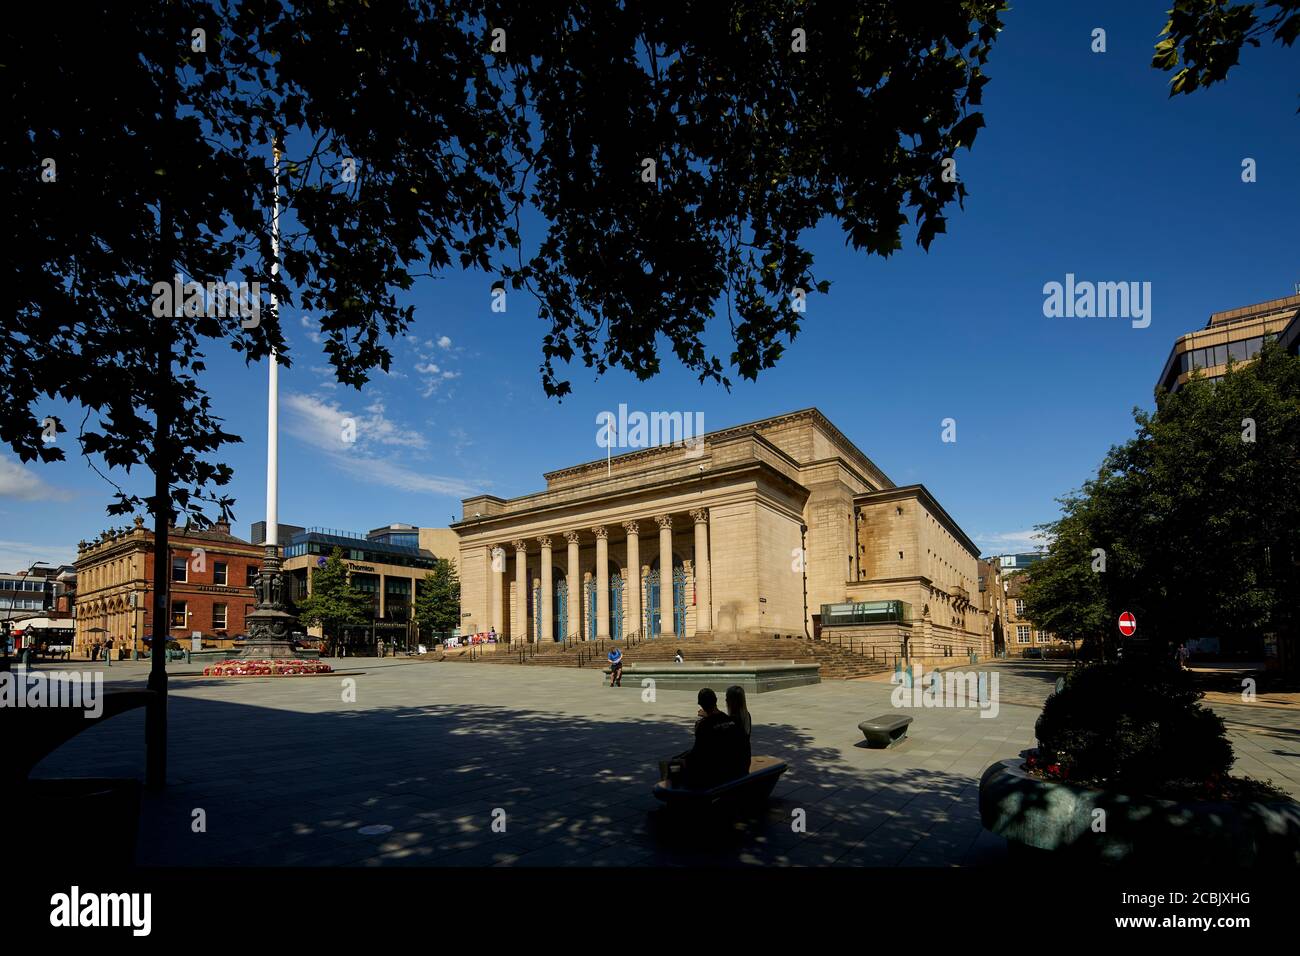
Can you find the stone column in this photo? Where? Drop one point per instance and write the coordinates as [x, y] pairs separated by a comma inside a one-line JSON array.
[[498, 583], [602, 581], [632, 584], [703, 589], [548, 590], [666, 575], [519, 627], [574, 578]]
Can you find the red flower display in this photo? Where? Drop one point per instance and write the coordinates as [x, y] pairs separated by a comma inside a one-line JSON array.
[[267, 668]]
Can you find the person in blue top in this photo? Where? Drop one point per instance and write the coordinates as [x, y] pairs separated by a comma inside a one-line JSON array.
[[616, 668]]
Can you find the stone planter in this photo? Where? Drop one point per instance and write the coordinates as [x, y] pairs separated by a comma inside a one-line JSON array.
[[1032, 813]]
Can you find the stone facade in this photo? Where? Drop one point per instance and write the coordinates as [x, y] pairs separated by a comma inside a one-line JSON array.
[[761, 524]]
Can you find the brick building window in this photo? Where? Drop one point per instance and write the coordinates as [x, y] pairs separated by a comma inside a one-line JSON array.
[[180, 570], [180, 612], [218, 617], [219, 572], [252, 575]]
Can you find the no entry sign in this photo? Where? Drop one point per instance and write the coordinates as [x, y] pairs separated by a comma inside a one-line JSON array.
[[1127, 624]]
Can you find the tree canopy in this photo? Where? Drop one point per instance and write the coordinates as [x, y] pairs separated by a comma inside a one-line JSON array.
[[636, 168], [1196, 515], [1202, 40], [437, 600], [334, 603]]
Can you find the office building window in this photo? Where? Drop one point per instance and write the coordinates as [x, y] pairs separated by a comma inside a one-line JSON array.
[[180, 569], [1022, 633], [180, 613], [219, 572], [218, 617]]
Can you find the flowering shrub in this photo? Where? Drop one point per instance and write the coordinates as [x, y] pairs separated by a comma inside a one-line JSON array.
[[267, 668]]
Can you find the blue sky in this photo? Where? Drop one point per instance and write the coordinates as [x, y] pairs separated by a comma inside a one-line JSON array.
[[1085, 167]]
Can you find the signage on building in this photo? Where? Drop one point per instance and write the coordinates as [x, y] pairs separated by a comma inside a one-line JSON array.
[[220, 589]]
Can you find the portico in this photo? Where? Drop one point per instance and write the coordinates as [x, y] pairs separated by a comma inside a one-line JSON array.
[[600, 585], [744, 531]]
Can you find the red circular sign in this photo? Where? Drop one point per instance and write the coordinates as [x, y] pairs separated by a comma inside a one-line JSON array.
[[1127, 624]]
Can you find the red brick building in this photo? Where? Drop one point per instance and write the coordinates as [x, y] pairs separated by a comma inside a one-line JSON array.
[[212, 574]]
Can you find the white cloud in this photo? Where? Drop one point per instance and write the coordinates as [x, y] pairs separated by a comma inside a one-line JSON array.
[[319, 422], [1007, 542], [313, 328], [19, 482], [444, 342], [21, 555], [383, 471]]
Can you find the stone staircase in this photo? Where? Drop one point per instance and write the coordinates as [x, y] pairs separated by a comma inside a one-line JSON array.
[[836, 662]]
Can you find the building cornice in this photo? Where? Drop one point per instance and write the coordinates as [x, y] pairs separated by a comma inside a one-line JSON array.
[[805, 414]]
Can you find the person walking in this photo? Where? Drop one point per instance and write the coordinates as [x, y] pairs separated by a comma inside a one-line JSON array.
[[615, 668], [108, 651]]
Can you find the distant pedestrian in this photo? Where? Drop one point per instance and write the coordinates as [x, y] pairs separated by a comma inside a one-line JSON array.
[[1183, 655], [678, 658], [108, 651], [616, 668]]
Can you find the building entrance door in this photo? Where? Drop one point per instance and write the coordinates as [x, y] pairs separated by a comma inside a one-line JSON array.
[[616, 606], [560, 611]]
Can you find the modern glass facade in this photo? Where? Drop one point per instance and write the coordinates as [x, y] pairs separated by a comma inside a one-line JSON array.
[[866, 612], [1212, 355], [356, 548]]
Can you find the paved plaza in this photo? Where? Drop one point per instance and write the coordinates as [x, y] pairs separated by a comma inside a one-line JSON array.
[[287, 773]]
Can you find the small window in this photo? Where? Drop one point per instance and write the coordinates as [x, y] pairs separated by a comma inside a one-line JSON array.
[[218, 617], [180, 613], [180, 569], [252, 574], [219, 572]]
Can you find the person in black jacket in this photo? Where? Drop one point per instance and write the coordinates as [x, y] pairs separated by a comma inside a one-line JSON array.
[[720, 747]]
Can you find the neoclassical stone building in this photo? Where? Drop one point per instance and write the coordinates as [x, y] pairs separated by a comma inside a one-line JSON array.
[[749, 531]]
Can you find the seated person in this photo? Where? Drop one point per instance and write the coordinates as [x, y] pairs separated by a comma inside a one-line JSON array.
[[720, 748], [738, 712]]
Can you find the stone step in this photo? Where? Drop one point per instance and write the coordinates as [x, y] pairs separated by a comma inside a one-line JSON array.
[[836, 662]]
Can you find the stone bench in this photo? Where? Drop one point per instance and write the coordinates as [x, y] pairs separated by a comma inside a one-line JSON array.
[[887, 730], [754, 787]]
